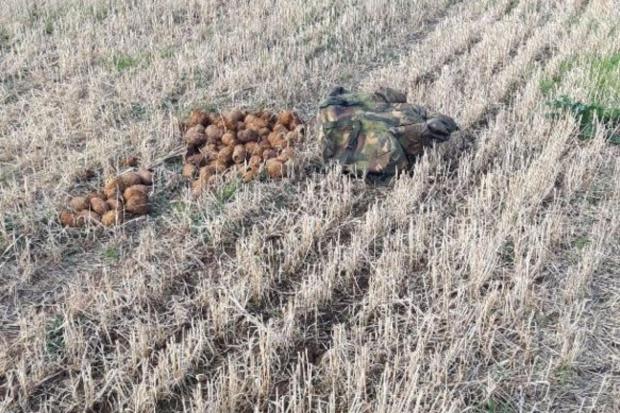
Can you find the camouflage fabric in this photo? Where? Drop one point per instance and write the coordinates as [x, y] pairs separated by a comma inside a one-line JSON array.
[[377, 132]]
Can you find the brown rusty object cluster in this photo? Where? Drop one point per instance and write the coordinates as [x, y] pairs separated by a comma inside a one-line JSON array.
[[125, 194], [240, 142], [248, 144]]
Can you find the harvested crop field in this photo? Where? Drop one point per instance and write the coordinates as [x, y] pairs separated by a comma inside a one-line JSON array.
[[485, 280]]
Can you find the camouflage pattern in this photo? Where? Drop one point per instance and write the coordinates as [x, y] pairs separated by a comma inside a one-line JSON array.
[[377, 132]]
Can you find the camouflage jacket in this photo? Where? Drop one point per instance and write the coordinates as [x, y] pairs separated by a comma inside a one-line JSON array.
[[377, 132]]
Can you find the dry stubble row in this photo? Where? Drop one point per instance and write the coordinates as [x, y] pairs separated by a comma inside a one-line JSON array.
[[425, 296]]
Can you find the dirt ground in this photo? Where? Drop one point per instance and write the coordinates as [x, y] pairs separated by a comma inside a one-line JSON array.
[[486, 280]]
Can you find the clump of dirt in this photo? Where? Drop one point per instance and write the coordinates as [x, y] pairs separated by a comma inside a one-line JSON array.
[[248, 144], [121, 196]]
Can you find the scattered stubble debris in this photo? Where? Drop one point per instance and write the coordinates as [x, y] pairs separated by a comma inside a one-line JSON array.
[[124, 194], [239, 142]]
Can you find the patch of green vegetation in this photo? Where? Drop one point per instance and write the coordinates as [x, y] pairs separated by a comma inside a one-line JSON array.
[[33, 15], [564, 373], [5, 38], [581, 242], [49, 26], [54, 336], [44, 18], [605, 75], [494, 406], [511, 7], [263, 176], [7, 172], [573, 20], [507, 252], [227, 191], [549, 84], [9, 223], [112, 254], [589, 117], [546, 319], [181, 208], [179, 16], [201, 78], [170, 103], [593, 25], [137, 110], [601, 76], [184, 209], [194, 217], [124, 62], [594, 198], [167, 52]]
